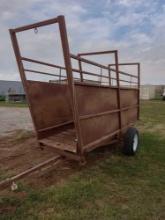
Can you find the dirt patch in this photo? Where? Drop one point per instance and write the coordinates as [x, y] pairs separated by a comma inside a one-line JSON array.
[[7, 209], [20, 151]]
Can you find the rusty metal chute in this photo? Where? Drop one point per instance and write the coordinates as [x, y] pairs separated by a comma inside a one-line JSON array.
[[73, 115]]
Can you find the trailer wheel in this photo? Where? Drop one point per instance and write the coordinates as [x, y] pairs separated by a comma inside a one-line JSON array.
[[131, 141]]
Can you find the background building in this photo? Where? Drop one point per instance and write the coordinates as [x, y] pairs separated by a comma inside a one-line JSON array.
[[148, 92], [12, 91]]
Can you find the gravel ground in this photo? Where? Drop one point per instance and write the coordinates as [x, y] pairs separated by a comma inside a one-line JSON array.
[[12, 119]]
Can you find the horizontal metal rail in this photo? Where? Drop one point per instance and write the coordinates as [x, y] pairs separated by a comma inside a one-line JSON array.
[[124, 73], [55, 126], [44, 73], [132, 82], [125, 64], [83, 117], [99, 141], [100, 65], [113, 141], [36, 25], [97, 53], [127, 74], [77, 70], [91, 74], [109, 52], [59, 67], [89, 62], [42, 63], [94, 144], [84, 72], [129, 107]]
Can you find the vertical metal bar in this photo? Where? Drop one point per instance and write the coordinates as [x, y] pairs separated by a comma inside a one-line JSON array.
[[80, 68], [68, 65], [21, 70], [60, 76], [109, 74], [138, 115], [118, 90], [101, 72]]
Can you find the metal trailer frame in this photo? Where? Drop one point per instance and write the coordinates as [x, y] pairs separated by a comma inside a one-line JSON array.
[[89, 112]]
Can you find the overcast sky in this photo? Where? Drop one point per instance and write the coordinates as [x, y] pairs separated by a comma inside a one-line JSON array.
[[135, 27]]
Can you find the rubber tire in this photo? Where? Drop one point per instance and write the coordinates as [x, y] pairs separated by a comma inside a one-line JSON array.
[[129, 140]]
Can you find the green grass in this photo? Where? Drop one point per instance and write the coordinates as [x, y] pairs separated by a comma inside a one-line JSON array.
[[117, 188], [153, 117], [13, 104]]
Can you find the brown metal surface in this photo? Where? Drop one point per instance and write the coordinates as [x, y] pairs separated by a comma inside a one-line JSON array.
[[90, 104], [118, 90], [50, 102], [38, 24], [68, 66]]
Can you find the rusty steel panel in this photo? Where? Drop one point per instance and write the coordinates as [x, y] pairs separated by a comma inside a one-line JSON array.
[[97, 127], [129, 97], [50, 103], [92, 100], [129, 116], [95, 99], [65, 140]]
